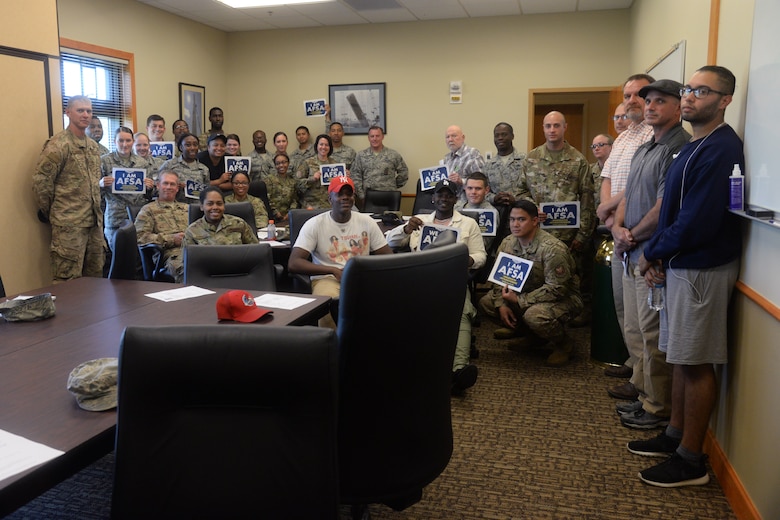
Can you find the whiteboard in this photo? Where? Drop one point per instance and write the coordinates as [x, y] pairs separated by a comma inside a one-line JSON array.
[[671, 65], [762, 134]]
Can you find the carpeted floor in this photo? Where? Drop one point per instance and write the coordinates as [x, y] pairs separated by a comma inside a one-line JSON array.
[[531, 442]]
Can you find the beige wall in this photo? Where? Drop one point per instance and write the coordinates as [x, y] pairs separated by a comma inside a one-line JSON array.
[[23, 95], [498, 60]]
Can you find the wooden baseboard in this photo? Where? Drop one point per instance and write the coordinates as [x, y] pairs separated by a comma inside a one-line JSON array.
[[729, 481]]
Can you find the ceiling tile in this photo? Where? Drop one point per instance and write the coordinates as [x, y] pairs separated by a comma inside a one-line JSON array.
[[477, 8], [548, 6]]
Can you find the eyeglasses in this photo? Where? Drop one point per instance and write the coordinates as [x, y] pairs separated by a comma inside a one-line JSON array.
[[598, 145], [181, 127], [699, 92], [618, 118], [240, 183]]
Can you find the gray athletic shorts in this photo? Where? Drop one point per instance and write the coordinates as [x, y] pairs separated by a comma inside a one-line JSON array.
[[693, 322]]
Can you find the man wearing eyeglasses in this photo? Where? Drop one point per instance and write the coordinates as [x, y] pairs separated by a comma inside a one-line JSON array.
[[620, 119], [695, 251], [601, 148], [614, 176], [636, 219]]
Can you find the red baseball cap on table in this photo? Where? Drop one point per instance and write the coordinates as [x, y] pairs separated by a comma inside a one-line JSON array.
[[239, 306]]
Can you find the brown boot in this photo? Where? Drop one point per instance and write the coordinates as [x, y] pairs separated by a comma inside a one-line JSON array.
[[561, 353], [525, 343]]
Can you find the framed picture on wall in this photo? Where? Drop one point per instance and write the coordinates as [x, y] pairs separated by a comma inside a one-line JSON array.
[[358, 106], [192, 106]]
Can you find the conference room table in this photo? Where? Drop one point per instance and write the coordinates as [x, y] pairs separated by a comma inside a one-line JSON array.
[[36, 358]]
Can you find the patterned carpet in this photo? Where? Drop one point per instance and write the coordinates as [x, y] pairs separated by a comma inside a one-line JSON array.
[[531, 442]]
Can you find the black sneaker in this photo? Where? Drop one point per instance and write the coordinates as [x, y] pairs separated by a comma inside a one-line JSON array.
[[464, 378], [659, 446], [676, 472]]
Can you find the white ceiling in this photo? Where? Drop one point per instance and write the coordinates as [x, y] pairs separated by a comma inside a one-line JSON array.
[[350, 12]]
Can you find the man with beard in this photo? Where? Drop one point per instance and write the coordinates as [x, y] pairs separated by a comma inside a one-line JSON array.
[[329, 256], [217, 119], [614, 176], [464, 375], [262, 161], [504, 171], [695, 251]]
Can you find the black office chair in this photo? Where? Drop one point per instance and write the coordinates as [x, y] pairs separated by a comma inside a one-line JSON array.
[[153, 265], [297, 218], [124, 257], [260, 190], [379, 201], [132, 211], [226, 421], [238, 209], [423, 201], [395, 381], [2, 288], [244, 266]]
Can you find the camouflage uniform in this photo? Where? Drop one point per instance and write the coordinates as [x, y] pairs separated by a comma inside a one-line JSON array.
[[311, 191], [505, 174], [262, 165], [195, 171], [258, 206], [297, 157], [203, 139], [66, 187], [282, 194], [344, 154], [550, 296], [156, 223], [385, 170], [117, 203], [231, 230], [595, 171], [103, 150], [560, 177]]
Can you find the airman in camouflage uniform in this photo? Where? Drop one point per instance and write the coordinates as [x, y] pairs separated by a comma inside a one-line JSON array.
[[231, 230], [163, 222], [192, 170], [282, 189], [298, 156], [505, 170], [258, 206], [65, 182], [342, 153], [560, 175], [117, 203], [262, 161], [550, 296], [310, 189], [378, 167]]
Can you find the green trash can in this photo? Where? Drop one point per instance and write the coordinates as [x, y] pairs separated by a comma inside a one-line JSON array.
[[606, 339]]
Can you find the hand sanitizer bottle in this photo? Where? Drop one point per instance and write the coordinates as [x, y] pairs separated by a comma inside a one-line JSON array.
[[736, 189]]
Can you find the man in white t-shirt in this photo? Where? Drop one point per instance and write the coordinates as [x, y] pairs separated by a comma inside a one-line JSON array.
[[332, 239]]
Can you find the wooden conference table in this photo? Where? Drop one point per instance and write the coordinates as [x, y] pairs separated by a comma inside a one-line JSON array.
[[36, 358]]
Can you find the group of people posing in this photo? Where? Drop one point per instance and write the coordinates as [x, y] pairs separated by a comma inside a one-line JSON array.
[[662, 192]]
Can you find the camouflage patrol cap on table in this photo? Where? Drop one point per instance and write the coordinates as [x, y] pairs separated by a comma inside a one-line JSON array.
[[38, 307], [94, 384]]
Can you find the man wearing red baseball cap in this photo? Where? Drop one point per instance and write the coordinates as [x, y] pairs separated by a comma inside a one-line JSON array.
[[332, 239]]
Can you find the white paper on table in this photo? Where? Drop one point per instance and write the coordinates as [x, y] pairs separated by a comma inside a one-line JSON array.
[[281, 301], [173, 295], [18, 454]]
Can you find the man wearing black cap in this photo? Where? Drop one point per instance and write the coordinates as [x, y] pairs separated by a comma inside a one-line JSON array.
[[636, 219], [214, 159], [445, 195], [327, 237]]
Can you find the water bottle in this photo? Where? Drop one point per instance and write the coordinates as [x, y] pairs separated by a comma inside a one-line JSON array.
[[655, 297], [271, 233]]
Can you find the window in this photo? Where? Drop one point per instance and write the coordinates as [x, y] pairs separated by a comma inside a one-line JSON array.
[[103, 75]]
